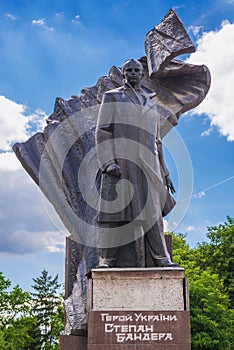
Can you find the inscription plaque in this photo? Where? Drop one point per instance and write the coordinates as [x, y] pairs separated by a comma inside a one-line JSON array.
[[145, 329], [137, 328]]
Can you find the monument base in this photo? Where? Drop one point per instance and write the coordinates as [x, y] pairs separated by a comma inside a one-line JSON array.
[[73, 342], [140, 347], [136, 309]]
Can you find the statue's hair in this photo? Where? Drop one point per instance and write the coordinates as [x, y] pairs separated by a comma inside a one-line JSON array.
[[129, 61]]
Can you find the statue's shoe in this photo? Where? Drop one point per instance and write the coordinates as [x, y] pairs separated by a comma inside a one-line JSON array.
[[171, 265], [103, 266]]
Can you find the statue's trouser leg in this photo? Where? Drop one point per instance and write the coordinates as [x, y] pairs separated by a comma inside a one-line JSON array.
[[155, 242], [118, 247], [110, 243]]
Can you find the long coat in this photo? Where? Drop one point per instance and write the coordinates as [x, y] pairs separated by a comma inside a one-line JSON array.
[[128, 134]]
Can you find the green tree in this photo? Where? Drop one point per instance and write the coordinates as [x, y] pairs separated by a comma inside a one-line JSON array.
[[18, 334], [211, 316], [31, 322], [47, 309], [218, 254], [15, 317]]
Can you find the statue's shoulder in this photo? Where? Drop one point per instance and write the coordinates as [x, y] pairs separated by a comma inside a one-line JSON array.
[[118, 90], [113, 95]]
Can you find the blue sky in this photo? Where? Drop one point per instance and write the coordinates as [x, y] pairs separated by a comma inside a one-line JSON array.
[[55, 48]]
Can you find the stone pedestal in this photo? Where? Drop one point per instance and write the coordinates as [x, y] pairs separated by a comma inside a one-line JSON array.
[[138, 309], [73, 342]]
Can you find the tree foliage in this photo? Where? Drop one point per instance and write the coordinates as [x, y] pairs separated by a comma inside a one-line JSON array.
[[46, 306], [208, 268], [15, 317], [31, 321], [218, 253]]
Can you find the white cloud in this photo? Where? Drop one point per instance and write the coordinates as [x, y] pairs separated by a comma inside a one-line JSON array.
[[76, 19], [207, 132], [42, 23], [39, 22], [37, 121], [15, 124], [29, 242], [195, 30], [215, 49], [175, 8], [190, 228], [25, 226], [8, 161], [59, 15], [166, 226], [199, 194], [169, 226], [10, 16]]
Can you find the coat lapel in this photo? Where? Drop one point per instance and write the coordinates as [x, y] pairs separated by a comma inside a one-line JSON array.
[[131, 96], [144, 107]]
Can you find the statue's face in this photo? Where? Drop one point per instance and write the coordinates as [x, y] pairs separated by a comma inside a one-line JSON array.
[[133, 73]]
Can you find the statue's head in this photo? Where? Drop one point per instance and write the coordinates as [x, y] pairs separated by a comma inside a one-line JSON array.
[[132, 71]]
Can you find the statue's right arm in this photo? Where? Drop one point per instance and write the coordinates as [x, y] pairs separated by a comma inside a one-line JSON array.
[[104, 132]]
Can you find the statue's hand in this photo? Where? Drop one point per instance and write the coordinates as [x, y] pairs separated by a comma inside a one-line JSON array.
[[169, 184], [114, 170]]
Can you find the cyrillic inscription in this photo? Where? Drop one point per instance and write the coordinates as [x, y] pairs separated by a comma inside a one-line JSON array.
[[137, 326]]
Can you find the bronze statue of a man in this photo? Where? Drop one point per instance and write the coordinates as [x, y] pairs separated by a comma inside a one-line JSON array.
[[128, 126], [129, 148]]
